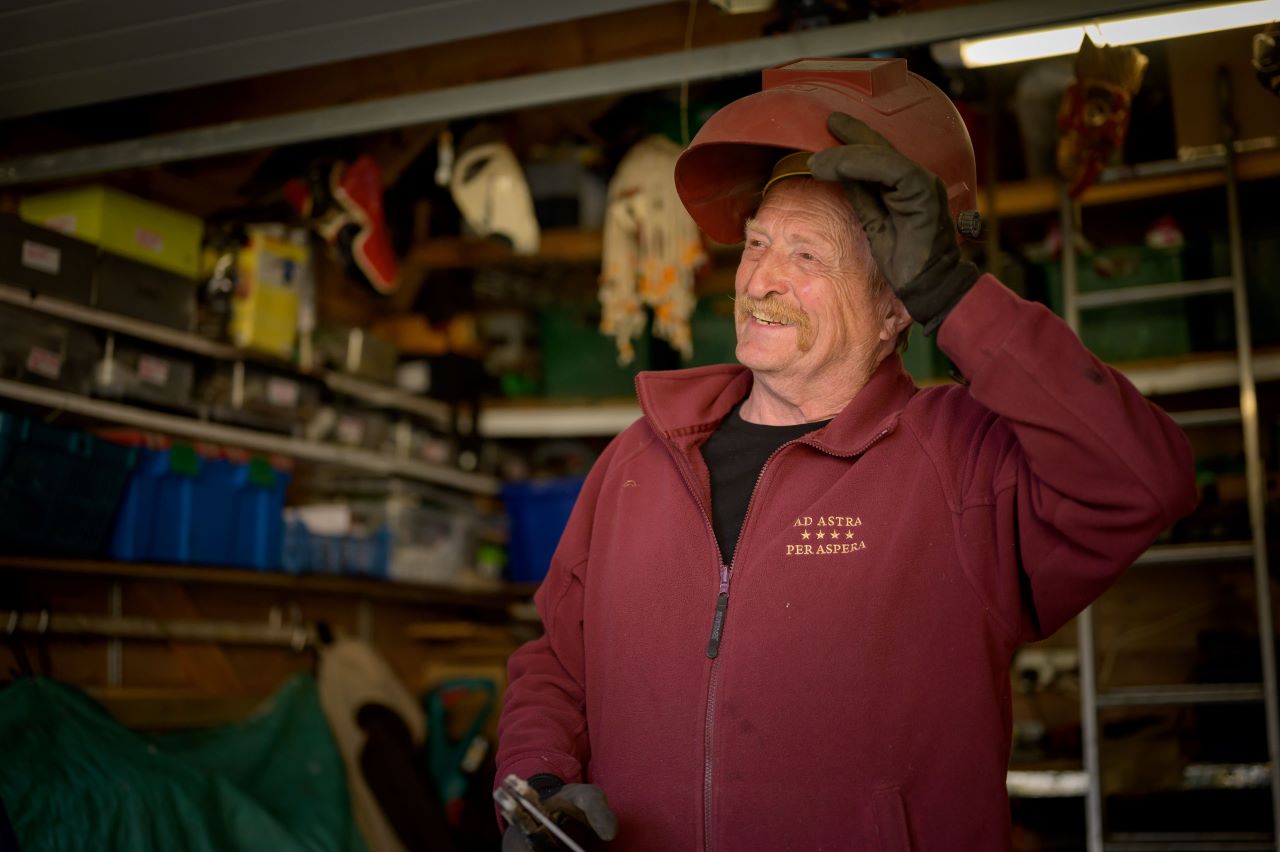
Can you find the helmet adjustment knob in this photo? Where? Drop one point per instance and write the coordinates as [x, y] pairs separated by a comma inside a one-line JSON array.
[[969, 223]]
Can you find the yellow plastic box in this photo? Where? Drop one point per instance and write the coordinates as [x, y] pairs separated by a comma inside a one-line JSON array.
[[122, 224]]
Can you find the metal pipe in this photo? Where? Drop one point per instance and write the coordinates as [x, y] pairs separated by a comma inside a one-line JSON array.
[[114, 627], [1084, 622], [608, 78], [1254, 475]]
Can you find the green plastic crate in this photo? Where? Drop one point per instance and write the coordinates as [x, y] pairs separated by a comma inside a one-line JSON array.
[[715, 338], [1127, 332], [580, 362], [59, 488], [923, 359]]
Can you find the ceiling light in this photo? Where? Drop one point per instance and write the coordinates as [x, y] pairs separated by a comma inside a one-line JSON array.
[[1061, 41]]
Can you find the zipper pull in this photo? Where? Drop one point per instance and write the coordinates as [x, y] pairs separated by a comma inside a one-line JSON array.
[[717, 623]]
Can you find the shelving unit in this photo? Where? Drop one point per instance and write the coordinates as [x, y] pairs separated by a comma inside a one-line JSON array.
[[372, 393], [497, 598], [1243, 370], [250, 439]]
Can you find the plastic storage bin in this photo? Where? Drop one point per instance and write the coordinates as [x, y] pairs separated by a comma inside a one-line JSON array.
[[1127, 332], [924, 359], [538, 512], [41, 350], [579, 361], [363, 555], [715, 339], [186, 507], [146, 374], [44, 261], [122, 223], [428, 545], [59, 488], [144, 292]]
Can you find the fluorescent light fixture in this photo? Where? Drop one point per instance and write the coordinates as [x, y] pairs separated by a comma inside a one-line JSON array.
[[1061, 41]]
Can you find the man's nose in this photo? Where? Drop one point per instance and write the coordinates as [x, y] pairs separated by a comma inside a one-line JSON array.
[[769, 277]]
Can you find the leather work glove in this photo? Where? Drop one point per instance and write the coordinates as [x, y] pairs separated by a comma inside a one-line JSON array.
[[580, 809], [903, 209]]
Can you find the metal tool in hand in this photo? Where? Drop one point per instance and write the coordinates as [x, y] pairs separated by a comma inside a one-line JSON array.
[[521, 806]]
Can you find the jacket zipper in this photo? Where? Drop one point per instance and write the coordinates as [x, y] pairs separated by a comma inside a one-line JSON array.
[[722, 608]]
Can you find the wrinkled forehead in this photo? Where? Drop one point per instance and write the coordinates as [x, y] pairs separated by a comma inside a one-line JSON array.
[[806, 203]]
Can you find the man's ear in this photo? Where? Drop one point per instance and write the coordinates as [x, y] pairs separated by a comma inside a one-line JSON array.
[[896, 320]]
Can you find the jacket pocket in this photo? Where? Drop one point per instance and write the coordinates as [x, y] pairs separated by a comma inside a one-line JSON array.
[[891, 820]]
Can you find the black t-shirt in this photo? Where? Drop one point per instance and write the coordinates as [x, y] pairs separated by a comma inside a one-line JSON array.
[[735, 454]]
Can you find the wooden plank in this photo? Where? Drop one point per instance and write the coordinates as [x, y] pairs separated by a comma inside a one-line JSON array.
[[206, 667]]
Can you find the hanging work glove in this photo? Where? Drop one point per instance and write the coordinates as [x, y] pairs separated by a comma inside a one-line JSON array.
[[583, 804], [903, 210]]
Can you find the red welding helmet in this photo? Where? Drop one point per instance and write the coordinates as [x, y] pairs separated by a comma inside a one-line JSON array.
[[721, 174]]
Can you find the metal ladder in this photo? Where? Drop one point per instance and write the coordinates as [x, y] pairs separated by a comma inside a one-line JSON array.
[[1246, 414]]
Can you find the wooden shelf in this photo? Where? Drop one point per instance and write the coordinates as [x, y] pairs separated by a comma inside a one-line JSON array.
[[498, 598], [564, 245], [1013, 199], [1041, 196]]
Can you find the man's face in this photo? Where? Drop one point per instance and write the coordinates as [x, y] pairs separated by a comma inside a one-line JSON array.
[[804, 309]]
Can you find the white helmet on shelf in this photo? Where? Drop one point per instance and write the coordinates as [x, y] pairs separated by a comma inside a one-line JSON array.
[[489, 188]]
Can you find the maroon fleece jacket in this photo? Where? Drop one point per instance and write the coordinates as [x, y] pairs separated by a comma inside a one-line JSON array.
[[889, 564]]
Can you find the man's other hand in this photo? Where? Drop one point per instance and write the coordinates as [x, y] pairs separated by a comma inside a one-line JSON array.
[[584, 804], [904, 212]]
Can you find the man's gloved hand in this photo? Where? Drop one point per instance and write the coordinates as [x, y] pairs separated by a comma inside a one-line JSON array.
[[903, 208], [584, 804]]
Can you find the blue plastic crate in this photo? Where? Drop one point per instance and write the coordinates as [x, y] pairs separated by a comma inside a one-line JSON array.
[[305, 552], [257, 513], [185, 508], [59, 488], [538, 513]]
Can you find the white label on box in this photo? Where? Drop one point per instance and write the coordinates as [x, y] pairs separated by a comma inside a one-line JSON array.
[[42, 362], [153, 370], [350, 430], [41, 257], [282, 393], [66, 223], [149, 240]]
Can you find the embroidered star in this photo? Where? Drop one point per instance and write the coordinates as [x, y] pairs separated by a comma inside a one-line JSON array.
[[821, 534], [805, 535], [849, 534]]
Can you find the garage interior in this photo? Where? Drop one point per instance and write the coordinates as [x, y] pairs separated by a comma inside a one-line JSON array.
[[291, 418]]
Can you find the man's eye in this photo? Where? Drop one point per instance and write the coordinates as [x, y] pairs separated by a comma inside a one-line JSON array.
[[755, 242], [806, 255]]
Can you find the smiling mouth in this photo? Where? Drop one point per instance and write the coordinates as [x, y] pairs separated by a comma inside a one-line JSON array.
[[764, 321]]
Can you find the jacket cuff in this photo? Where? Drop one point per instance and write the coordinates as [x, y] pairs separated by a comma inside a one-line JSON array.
[[980, 322], [562, 767], [546, 784]]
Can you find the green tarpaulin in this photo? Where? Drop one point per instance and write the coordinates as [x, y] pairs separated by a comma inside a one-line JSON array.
[[73, 779]]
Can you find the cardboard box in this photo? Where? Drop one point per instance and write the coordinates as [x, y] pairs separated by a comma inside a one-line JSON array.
[[45, 262], [1193, 80], [123, 224]]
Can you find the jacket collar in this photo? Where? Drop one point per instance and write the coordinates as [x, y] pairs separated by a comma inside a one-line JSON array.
[[684, 403]]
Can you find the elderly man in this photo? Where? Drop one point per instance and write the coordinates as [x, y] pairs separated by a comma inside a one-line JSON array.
[[782, 613]]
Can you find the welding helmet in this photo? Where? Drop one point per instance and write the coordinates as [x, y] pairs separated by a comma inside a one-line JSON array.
[[489, 188], [721, 175]]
